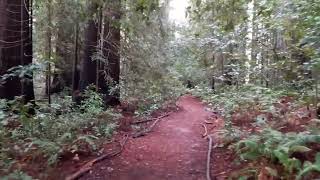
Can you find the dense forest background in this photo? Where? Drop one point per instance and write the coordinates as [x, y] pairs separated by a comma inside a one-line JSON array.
[[68, 66]]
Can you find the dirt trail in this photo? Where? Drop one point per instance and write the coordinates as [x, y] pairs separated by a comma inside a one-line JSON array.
[[174, 150]]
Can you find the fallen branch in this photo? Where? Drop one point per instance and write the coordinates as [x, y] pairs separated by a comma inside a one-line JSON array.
[[207, 122], [205, 130], [205, 134], [149, 129], [152, 119], [209, 157], [88, 166], [142, 121]]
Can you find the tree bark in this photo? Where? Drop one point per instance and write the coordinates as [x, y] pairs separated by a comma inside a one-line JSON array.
[[48, 49], [88, 66]]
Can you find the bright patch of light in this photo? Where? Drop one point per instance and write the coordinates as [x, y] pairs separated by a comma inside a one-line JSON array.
[[178, 10], [249, 40]]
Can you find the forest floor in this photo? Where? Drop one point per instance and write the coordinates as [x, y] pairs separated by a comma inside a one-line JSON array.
[[175, 149]]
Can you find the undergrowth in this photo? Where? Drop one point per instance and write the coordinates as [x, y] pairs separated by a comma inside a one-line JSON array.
[[52, 132], [271, 130], [153, 95], [283, 155]]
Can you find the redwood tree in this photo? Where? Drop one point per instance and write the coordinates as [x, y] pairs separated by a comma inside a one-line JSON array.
[[88, 66], [104, 74]]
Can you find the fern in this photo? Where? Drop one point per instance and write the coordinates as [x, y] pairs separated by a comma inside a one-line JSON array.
[[274, 145], [309, 167]]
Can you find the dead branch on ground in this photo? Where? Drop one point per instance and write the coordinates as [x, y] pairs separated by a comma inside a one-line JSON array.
[[208, 122], [209, 156], [205, 130], [149, 129], [209, 150], [88, 166], [151, 119]]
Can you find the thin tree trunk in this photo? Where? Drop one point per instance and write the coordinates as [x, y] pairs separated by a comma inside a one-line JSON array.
[[48, 50], [75, 74]]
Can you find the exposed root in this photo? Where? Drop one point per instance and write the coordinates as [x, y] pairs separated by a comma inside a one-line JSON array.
[[88, 166], [205, 130], [209, 156], [149, 129]]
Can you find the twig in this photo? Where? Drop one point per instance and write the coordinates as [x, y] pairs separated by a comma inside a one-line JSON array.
[[205, 130], [149, 129], [209, 157], [88, 166]]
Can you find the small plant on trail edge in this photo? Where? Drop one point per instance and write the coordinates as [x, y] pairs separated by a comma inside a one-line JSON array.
[[93, 103]]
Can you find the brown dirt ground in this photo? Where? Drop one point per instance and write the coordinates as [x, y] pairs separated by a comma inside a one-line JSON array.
[[175, 149]]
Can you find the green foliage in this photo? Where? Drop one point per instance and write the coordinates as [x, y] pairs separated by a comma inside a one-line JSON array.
[[156, 94], [53, 131], [17, 175], [93, 103], [23, 72], [230, 99], [270, 148], [278, 147], [309, 167]]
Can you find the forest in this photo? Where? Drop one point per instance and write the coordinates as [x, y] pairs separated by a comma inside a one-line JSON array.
[[159, 89]]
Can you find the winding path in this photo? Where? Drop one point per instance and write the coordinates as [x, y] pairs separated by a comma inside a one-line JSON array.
[[174, 150]]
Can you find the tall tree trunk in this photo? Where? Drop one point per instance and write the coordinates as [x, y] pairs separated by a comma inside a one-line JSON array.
[[48, 49], [88, 66], [16, 47]]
